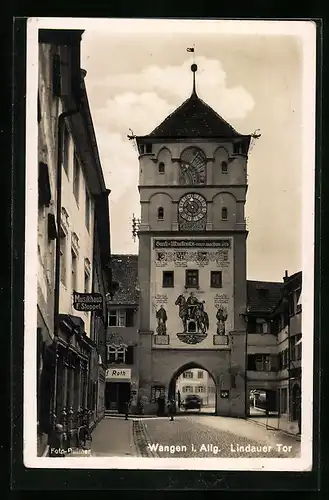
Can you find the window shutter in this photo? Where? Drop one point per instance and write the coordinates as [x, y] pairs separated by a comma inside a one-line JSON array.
[[274, 363], [130, 317], [252, 362], [130, 355]]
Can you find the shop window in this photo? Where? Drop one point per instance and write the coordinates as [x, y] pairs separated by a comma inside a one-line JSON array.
[[168, 279], [191, 278], [216, 279], [161, 168], [160, 213], [224, 213]]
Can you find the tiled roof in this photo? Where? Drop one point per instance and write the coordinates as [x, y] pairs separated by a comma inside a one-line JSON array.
[[263, 296], [194, 118], [125, 272]]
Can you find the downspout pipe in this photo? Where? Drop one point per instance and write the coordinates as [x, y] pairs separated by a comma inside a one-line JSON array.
[[60, 129]]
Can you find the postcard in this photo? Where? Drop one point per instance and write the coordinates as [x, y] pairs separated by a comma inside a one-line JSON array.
[[169, 276]]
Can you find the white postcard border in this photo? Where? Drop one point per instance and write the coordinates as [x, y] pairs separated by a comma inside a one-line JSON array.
[[306, 30]]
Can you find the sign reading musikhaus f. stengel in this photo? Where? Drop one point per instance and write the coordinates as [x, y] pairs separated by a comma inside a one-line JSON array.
[[87, 301]]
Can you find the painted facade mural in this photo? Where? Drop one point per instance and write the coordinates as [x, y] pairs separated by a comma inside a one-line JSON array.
[[192, 291]]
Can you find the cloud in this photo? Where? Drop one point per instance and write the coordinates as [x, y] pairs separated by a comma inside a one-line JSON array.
[[119, 162], [167, 87]]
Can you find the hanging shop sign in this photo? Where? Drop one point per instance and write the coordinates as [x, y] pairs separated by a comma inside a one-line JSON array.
[[87, 301]]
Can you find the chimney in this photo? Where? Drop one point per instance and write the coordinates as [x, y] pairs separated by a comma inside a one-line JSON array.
[[286, 275]]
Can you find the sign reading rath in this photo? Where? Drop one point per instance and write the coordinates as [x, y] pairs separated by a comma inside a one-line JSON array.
[[192, 243], [87, 301], [118, 374]]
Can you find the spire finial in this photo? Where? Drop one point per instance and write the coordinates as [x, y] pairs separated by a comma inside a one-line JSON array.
[[194, 69]]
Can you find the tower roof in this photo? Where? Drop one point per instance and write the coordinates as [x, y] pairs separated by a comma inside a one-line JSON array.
[[194, 118]]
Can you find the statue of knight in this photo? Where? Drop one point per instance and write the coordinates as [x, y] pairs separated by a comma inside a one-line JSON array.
[[221, 317]]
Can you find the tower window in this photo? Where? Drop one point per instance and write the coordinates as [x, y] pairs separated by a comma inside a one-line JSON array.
[[192, 278], [224, 213], [161, 168], [216, 279], [224, 167], [160, 213], [168, 279], [148, 148]]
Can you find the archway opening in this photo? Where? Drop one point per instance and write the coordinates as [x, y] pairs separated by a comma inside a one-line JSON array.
[[194, 390], [263, 402]]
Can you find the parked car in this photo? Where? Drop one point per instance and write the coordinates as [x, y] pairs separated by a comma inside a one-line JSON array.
[[192, 402]]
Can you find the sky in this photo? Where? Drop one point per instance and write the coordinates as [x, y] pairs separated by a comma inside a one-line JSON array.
[[254, 81]]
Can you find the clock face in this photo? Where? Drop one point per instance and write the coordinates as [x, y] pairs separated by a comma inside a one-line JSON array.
[[192, 207]]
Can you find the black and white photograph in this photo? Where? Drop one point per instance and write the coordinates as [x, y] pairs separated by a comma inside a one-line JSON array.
[[169, 258]]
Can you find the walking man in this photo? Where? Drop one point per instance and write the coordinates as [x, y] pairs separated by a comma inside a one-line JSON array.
[[171, 409]]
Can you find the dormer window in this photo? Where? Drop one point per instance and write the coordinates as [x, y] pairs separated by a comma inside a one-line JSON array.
[[161, 168], [160, 213], [148, 148], [224, 167], [224, 213]]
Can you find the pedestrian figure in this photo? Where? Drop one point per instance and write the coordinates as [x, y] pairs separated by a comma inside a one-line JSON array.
[[179, 402], [171, 409], [127, 407], [161, 405]]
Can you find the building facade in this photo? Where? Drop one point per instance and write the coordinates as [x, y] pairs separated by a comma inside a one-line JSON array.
[[197, 382], [71, 218], [192, 254], [274, 326], [122, 374]]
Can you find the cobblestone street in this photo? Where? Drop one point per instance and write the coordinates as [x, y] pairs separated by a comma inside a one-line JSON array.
[[197, 436], [204, 436]]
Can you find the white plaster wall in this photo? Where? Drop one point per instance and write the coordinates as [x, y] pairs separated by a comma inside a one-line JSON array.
[[76, 224]]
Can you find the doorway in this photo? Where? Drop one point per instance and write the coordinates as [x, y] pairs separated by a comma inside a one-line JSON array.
[[116, 395]]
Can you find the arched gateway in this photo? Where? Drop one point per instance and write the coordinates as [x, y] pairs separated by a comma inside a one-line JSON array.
[[192, 372], [192, 261]]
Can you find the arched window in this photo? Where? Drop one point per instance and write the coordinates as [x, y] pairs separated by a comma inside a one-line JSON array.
[[161, 168], [224, 167], [160, 213], [224, 213]]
